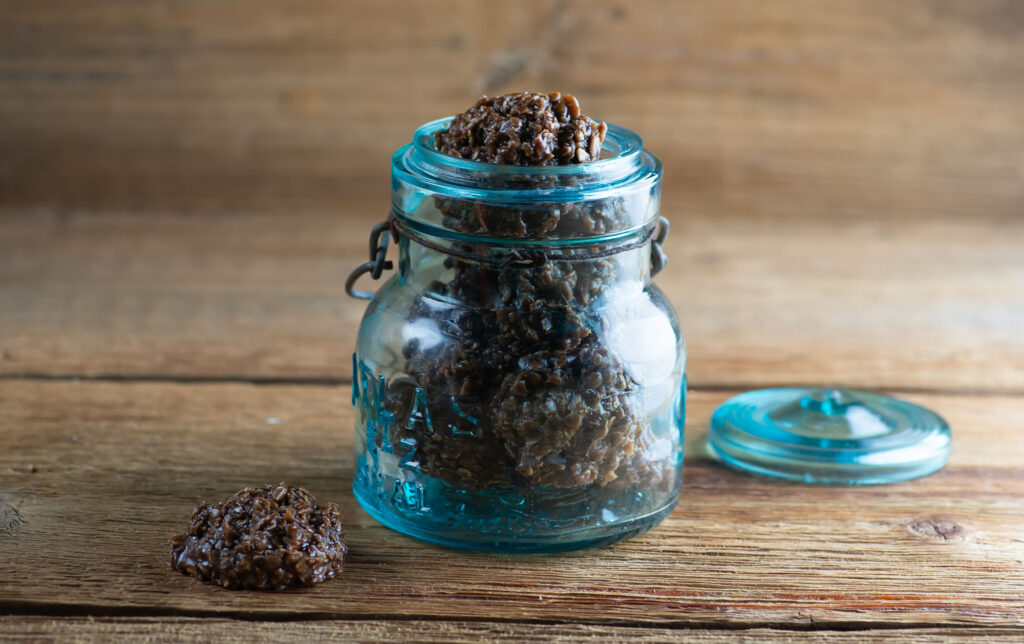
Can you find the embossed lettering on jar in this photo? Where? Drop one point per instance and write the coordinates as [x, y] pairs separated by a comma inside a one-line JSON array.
[[519, 380]]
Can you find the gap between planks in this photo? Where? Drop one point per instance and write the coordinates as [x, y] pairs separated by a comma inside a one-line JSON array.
[[34, 609], [186, 629], [242, 379]]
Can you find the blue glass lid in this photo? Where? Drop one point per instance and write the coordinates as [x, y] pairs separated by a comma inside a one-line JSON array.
[[829, 436]]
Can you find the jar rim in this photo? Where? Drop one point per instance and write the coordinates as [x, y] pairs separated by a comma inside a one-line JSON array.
[[421, 165], [628, 174], [624, 145]]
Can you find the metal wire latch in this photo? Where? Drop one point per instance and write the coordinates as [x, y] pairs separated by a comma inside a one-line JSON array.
[[658, 256], [383, 232], [380, 236]]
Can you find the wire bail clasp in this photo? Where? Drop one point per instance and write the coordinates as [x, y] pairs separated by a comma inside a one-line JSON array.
[[380, 236], [658, 256]]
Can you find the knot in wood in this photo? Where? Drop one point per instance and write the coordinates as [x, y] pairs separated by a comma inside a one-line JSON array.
[[10, 519], [943, 529]]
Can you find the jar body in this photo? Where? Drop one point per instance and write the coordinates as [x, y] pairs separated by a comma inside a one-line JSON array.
[[517, 405]]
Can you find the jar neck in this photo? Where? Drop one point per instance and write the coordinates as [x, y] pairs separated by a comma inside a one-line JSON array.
[[527, 252], [575, 277]]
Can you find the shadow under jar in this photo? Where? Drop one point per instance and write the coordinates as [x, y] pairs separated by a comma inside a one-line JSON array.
[[519, 383]]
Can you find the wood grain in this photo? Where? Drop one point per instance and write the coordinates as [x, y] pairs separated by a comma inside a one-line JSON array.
[[184, 187], [163, 629], [101, 474], [868, 110], [906, 305]]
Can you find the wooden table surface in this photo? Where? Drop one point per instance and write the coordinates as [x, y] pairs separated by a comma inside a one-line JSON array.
[[183, 191]]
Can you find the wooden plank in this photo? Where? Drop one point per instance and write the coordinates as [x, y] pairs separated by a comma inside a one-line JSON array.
[[178, 629], [870, 110], [101, 474], [899, 305]]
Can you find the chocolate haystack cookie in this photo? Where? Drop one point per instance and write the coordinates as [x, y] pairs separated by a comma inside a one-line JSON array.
[[528, 357], [267, 537], [526, 129]]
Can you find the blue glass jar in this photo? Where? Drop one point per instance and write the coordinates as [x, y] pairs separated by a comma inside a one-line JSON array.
[[519, 381]]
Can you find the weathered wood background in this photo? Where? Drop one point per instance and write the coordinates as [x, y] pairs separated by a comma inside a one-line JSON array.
[[184, 186], [861, 109]]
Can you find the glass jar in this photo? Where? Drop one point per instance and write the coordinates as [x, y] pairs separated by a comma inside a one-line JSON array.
[[519, 382]]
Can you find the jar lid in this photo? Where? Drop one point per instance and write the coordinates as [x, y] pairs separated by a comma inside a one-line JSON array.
[[829, 436]]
